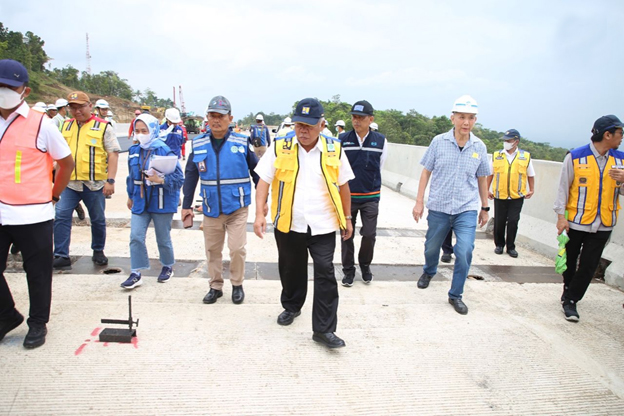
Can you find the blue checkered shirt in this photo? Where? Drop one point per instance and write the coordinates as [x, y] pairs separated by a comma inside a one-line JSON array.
[[454, 188]]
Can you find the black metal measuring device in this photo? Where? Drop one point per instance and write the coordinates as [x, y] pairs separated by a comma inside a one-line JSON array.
[[120, 335]]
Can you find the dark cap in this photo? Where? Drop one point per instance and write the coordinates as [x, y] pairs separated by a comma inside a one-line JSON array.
[[77, 97], [605, 123], [512, 134], [219, 104], [309, 111], [362, 108], [12, 73]]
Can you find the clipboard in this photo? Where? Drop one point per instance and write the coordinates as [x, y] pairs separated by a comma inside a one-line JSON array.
[[164, 164]]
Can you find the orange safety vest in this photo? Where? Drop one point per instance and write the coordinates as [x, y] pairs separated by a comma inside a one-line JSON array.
[[26, 171]]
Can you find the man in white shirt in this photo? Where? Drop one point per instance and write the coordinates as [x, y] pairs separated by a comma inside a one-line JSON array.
[[512, 169], [309, 175], [27, 198]]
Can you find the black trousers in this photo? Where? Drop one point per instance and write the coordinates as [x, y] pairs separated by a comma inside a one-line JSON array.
[[506, 215], [589, 246], [35, 243], [369, 211], [447, 244], [293, 269]]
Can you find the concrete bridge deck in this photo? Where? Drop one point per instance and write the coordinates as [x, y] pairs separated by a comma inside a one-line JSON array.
[[407, 351]]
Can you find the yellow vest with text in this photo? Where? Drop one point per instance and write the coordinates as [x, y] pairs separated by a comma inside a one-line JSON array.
[[593, 192], [286, 170], [510, 179], [87, 146]]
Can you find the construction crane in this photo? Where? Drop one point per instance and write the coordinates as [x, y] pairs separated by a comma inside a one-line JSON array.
[[182, 106], [88, 57]]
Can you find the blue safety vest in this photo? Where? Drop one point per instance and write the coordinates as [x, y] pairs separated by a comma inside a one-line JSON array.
[[365, 163], [260, 132], [224, 175], [155, 198]]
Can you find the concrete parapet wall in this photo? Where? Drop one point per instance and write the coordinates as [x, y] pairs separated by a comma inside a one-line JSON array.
[[537, 228]]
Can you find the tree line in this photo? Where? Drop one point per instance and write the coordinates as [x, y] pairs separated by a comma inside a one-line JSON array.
[[415, 128], [28, 49]]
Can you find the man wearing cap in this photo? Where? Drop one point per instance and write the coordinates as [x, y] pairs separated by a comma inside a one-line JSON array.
[[51, 111], [222, 160], [29, 146], [309, 178], [96, 151], [512, 169], [458, 165], [260, 136], [367, 152], [589, 189], [340, 127], [61, 115], [171, 132]]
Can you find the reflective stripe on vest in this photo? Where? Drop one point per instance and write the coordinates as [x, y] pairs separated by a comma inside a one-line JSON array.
[[27, 177], [510, 179], [593, 192], [284, 182], [87, 146]]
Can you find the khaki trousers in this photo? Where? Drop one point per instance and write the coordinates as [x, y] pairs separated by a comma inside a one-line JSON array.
[[260, 151], [214, 238]]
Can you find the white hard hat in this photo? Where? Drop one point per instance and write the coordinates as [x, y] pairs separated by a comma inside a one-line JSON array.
[[51, 107], [61, 102], [374, 126], [40, 107], [287, 120], [340, 123], [173, 115], [465, 104], [260, 117], [101, 104]]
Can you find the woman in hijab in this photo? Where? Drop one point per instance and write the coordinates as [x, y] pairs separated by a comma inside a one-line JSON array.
[[152, 196]]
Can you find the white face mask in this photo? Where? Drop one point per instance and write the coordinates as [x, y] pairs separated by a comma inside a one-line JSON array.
[[143, 139], [10, 99], [508, 146]]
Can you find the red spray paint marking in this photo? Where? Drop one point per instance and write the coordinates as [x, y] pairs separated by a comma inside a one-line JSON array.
[[80, 349], [105, 344], [95, 332], [135, 342]]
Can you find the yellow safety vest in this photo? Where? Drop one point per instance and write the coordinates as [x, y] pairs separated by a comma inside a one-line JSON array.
[[87, 146], [284, 182], [588, 193], [510, 179]]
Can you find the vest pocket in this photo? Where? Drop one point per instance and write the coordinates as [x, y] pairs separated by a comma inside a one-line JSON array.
[[239, 194], [285, 169], [333, 168], [206, 197]]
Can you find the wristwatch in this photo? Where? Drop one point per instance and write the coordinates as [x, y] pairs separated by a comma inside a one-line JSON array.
[[111, 181], [348, 217], [486, 209], [55, 198]]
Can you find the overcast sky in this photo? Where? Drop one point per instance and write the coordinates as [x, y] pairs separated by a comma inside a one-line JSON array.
[[547, 68]]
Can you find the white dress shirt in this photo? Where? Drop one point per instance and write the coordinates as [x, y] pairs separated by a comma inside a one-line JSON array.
[[312, 205], [50, 140]]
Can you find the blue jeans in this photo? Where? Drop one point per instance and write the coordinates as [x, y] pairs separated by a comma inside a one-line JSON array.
[[138, 229], [95, 203], [464, 226]]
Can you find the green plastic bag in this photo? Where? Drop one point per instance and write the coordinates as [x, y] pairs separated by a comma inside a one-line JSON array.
[[562, 257]]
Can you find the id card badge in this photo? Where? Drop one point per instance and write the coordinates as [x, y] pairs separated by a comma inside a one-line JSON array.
[[202, 166]]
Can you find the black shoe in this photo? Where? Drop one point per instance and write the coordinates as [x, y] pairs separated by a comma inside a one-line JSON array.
[[8, 325], [446, 258], [423, 282], [459, 305], [61, 263], [36, 336], [238, 295], [287, 317], [329, 339], [80, 212], [212, 296], [347, 280], [564, 294], [513, 253], [569, 309], [99, 258], [498, 250], [14, 249], [367, 275]]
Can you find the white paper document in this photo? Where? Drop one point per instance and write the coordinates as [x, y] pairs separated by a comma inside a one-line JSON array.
[[164, 164]]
